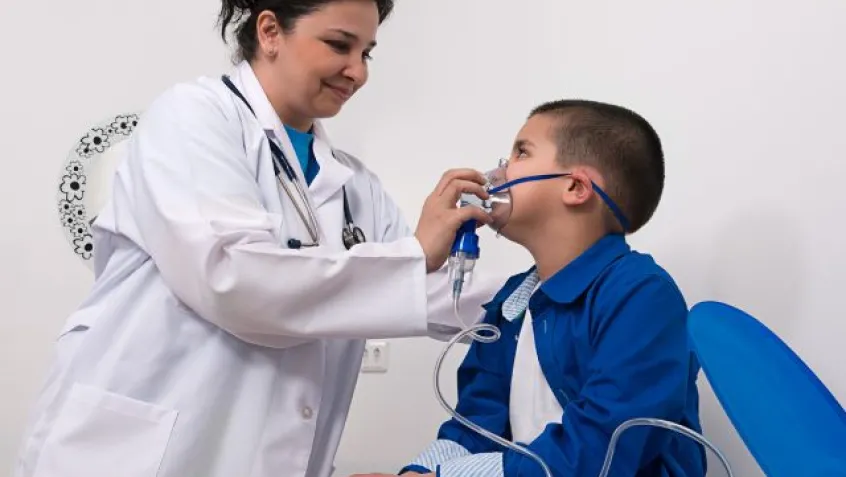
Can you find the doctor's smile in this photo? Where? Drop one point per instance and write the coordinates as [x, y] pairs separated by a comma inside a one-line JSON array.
[[342, 93]]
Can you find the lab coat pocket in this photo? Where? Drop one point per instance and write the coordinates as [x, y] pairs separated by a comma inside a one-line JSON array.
[[99, 434]]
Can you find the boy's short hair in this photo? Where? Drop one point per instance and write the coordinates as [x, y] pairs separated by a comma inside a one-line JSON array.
[[619, 143]]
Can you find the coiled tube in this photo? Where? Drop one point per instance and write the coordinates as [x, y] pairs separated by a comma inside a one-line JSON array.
[[483, 333]]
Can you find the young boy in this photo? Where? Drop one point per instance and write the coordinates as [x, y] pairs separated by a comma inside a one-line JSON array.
[[603, 337]]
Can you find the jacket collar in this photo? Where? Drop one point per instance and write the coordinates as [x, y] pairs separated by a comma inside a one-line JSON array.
[[574, 279], [333, 175]]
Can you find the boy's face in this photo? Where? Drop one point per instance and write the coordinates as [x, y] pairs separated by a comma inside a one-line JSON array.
[[536, 203]]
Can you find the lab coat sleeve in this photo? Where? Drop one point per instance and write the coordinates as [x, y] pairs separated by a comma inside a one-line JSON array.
[[441, 318], [199, 213], [639, 368]]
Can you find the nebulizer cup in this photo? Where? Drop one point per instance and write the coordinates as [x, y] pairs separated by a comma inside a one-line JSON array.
[[465, 249]]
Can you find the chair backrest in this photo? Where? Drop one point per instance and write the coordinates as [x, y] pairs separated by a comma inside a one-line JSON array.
[[790, 422], [85, 180]]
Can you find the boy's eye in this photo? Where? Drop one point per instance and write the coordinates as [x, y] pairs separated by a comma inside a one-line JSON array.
[[520, 153]]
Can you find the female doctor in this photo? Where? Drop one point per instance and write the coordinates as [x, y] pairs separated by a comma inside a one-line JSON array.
[[242, 261]]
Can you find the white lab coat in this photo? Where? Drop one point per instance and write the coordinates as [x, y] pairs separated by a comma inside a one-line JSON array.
[[207, 347]]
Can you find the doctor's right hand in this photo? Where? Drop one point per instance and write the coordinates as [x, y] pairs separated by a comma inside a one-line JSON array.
[[441, 217]]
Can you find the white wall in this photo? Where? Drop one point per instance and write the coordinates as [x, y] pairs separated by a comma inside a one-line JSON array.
[[748, 97]]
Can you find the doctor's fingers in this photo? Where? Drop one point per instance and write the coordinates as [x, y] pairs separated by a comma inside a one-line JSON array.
[[464, 175], [472, 212], [453, 190]]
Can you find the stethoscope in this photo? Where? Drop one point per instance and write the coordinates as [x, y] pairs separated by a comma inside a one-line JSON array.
[[351, 234]]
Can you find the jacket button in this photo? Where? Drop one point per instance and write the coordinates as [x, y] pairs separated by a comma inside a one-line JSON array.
[[307, 412]]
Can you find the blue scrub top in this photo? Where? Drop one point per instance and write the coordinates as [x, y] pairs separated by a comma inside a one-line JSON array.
[[611, 338], [302, 142]]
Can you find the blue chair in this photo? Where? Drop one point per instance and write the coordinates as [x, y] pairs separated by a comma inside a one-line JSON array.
[[789, 421]]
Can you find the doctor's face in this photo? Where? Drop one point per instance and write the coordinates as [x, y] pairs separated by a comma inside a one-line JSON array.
[[322, 61]]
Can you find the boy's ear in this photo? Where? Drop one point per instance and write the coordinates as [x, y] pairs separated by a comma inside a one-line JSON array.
[[577, 188]]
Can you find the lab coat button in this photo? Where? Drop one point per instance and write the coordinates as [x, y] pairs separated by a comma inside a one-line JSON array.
[[307, 412]]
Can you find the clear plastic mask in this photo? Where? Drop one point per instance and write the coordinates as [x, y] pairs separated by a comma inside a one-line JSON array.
[[498, 204]]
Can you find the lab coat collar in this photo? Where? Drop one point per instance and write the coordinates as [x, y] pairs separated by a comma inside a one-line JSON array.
[[252, 90], [571, 281], [332, 176]]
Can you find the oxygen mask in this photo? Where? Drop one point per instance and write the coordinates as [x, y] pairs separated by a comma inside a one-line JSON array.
[[498, 203]]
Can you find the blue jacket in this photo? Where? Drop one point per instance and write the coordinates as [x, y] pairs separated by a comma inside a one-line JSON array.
[[611, 338]]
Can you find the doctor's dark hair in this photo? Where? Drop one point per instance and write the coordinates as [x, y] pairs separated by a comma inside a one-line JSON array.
[[243, 15], [620, 144]]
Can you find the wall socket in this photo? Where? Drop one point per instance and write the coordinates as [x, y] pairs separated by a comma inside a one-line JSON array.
[[375, 358]]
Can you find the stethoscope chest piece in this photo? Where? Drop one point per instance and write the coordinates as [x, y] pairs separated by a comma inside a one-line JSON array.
[[352, 236]]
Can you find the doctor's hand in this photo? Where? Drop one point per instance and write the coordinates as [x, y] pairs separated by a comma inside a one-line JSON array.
[[441, 217]]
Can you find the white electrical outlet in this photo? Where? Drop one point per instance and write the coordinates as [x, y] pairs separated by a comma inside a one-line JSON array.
[[375, 358]]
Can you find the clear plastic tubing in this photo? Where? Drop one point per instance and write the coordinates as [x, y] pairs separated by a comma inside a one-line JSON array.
[[672, 426], [483, 333]]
